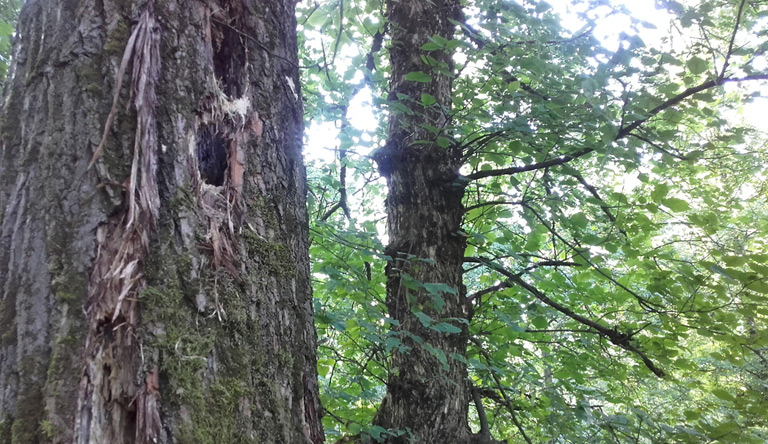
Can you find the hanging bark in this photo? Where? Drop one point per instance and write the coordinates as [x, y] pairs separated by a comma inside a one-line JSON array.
[[154, 278], [427, 392]]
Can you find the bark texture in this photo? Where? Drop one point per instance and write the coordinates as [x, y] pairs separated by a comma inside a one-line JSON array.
[[427, 395], [161, 295]]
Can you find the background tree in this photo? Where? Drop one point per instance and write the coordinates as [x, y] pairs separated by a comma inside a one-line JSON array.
[[614, 256], [153, 243], [427, 393]]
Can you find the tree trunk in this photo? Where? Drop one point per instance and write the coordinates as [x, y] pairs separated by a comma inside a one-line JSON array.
[[427, 395], [161, 294]]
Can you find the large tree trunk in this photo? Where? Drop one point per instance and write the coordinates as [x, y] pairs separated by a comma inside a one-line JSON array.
[[427, 395], [161, 295]]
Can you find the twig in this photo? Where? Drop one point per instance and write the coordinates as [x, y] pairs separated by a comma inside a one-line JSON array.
[[258, 43]]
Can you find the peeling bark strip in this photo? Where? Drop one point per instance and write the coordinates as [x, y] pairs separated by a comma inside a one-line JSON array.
[[112, 277], [118, 270]]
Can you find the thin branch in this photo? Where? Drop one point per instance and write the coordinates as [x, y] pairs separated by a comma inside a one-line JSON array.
[[644, 302], [337, 418], [553, 264], [472, 34], [485, 431], [505, 285], [343, 203], [314, 9], [733, 39], [623, 340], [682, 96], [658, 147], [258, 43], [330, 211], [623, 132], [505, 400], [562, 330], [493, 202], [593, 191], [341, 30], [484, 292], [532, 167]]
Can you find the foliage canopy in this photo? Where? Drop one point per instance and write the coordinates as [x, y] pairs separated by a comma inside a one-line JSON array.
[[615, 213]]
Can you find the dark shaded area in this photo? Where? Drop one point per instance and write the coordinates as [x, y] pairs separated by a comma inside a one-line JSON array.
[[229, 55], [212, 155]]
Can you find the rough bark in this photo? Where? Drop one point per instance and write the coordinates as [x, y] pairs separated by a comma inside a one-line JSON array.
[[427, 393], [161, 295]]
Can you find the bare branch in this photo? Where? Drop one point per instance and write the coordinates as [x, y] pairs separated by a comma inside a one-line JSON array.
[[494, 202], [503, 285], [330, 212], [484, 292], [341, 31], [485, 431], [658, 147]]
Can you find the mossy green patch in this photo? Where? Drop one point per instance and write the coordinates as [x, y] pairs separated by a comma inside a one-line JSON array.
[[48, 430], [7, 322], [65, 297], [275, 256], [183, 201], [90, 77], [117, 38], [207, 361], [5, 430], [223, 420], [64, 372], [29, 408]]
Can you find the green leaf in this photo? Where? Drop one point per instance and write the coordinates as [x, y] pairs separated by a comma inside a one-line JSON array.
[[759, 286], [697, 65], [723, 394], [540, 322], [676, 205], [318, 19], [424, 318], [542, 7], [427, 99], [439, 288], [392, 343], [378, 433], [443, 142], [445, 327], [418, 76], [579, 219]]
